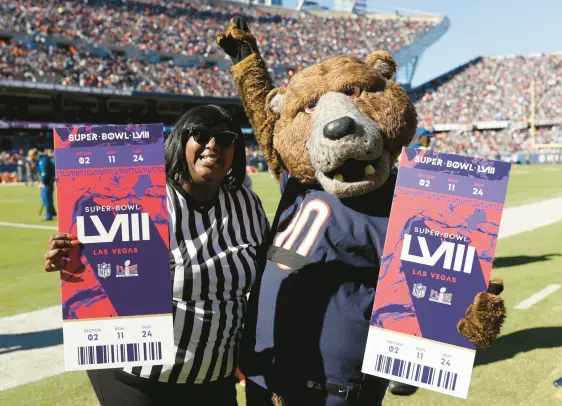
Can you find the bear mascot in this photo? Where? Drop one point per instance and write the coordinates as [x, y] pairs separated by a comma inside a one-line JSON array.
[[330, 139]]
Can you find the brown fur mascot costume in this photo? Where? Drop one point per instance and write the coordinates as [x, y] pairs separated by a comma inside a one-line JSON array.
[[330, 138]]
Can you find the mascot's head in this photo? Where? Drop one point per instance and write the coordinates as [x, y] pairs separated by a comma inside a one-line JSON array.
[[342, 123]]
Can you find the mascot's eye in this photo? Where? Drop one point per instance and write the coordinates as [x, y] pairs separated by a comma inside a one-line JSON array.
[[352, 92], [310, 108]]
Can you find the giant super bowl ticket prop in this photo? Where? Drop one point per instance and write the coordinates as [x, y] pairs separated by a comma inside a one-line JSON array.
[[117, 296], [437, 257]]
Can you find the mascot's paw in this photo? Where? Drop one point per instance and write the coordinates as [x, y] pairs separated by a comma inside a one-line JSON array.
[[484, 317], [237, 40], [277, 400]]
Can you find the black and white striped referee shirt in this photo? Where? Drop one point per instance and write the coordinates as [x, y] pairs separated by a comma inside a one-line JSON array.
[[214, 256]]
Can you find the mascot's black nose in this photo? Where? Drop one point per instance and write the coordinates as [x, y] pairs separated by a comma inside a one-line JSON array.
[[339, 128]]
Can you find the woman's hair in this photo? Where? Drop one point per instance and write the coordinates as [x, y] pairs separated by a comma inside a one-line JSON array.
[[207, 116]]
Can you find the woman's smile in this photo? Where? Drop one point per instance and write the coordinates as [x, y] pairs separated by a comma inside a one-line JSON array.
[[211, 160]]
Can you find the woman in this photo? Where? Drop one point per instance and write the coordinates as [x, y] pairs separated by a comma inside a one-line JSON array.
[[217, 228]]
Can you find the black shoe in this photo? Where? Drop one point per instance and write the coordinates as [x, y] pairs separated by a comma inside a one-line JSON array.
[[401, 389], [558, 383]]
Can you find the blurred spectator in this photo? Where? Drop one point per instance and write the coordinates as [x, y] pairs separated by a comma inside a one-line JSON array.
[[254, 157], [46, 169], [31, 166]]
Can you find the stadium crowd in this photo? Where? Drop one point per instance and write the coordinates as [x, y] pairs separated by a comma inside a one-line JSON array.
[[18, 166], [491, 88], [71, 67], [495, 88], [493, 144], [190, 29], [11, 157]]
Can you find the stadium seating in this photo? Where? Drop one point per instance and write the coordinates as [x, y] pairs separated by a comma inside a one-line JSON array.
[[177, 29], [70, 67], [146, 41], [493, 144], [493, 89], [190, 29]]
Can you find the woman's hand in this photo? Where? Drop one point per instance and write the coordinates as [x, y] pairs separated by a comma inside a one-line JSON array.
[[240, 377], [63, 253]]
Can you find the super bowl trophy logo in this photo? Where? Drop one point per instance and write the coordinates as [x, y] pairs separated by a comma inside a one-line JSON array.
[[104, 270], [441, 296], [419, 290]]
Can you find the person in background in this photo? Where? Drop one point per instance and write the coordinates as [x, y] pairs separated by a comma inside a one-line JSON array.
[[46, 170], [30, 166], [20, 161], [422, 139]]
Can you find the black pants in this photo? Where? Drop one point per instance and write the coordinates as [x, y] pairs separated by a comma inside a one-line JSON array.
[[372, 393], [117, 388]]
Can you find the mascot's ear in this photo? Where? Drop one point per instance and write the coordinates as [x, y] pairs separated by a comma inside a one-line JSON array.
[[275, 100], [383, 63]]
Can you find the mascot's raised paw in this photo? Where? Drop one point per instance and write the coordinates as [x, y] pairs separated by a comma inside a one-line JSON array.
[[484, 317], [237, 40]]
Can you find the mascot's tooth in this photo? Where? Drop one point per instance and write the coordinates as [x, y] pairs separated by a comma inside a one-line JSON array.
[[338, 177], [369, 170]]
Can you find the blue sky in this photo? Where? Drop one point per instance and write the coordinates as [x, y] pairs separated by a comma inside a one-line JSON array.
[[482, 28]]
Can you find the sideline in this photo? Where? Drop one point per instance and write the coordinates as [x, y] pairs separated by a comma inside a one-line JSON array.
[[537, 297], [21, 225]]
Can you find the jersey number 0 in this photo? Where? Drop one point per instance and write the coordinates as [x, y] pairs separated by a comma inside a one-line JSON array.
[[287, 237]]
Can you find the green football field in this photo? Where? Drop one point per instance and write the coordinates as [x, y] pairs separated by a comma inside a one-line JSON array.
[[518, 370]]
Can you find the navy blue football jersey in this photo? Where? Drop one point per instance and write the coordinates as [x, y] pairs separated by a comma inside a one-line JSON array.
[[308, 317]]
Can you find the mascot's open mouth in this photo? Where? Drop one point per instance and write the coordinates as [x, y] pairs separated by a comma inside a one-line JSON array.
[[355, 176], [354, 170]]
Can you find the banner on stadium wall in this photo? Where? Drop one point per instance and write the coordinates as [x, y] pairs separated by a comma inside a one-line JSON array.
[[537, 158], [548, 121], [437, 257], [491, 125], [50, 86], [50, 125], [451, 127], [116, 296]]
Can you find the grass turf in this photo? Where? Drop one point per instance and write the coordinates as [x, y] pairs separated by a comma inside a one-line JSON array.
[[518, 370]]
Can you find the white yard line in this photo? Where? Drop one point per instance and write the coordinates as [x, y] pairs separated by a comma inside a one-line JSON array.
[[32, 364], [520, 219], [537, 297], [20, 225], [21, 363]]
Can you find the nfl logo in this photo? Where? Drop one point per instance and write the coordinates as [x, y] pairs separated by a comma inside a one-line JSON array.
[[104, 270], [418, 290]]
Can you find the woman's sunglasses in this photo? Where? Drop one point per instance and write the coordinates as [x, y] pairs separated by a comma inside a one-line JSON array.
[[223, 138]]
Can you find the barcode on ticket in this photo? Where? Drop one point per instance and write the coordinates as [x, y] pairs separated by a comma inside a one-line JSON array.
[[113, 353], [416, 372]]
